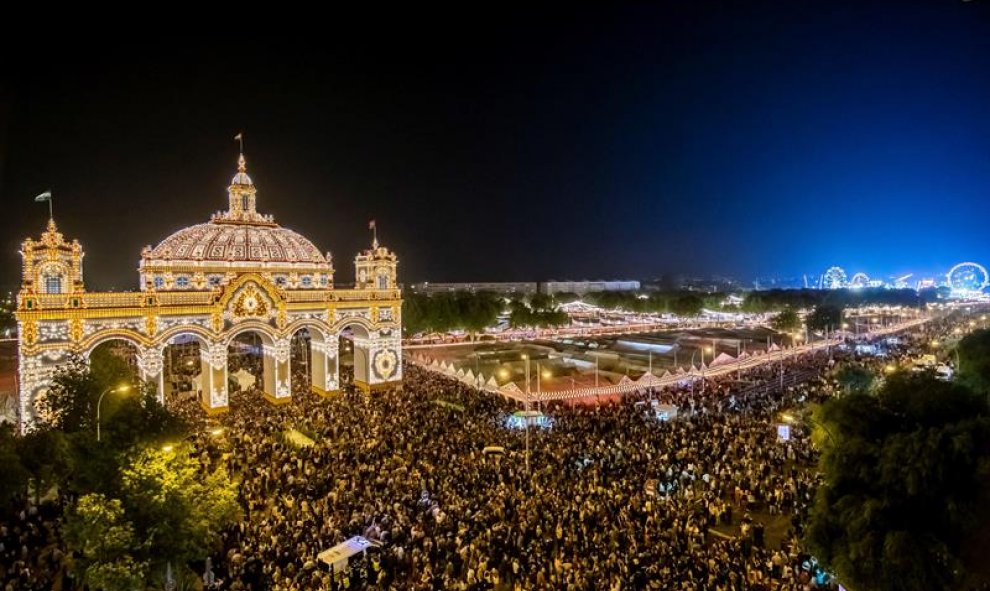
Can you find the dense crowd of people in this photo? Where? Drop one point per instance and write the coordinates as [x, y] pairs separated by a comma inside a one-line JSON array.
[[614, 498], [608, 497]]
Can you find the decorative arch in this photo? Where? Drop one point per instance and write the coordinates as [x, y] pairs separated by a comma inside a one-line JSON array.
[[351, 321], [321, 361], [267, 331], [86, 346], [53, 277], [203, 338], [199, 332], [325, 330], [273, 291]]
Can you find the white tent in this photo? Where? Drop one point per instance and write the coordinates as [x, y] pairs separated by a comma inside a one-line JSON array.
[[510, 388], [492, 384], [338, 556], [723, 359], [468, 377]]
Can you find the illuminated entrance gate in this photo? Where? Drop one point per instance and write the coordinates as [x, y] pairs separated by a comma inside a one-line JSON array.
[[239, 273]]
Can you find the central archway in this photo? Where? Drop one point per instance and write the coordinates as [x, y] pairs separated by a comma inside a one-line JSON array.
[[255, 351]]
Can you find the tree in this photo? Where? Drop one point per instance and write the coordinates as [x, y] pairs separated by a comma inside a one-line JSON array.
[[974, 361], [786, 321], [15, 476], [69, 405], [477, 311], [176, 510], [44, 454], [825, 317], [104, 544], [905, 480], [855, 379], [687, 305], [520, 316]]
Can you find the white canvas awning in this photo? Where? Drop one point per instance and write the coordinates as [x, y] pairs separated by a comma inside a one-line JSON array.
[[337, 556]]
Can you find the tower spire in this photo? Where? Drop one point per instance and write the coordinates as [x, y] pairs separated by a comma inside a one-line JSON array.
[[241, 191]]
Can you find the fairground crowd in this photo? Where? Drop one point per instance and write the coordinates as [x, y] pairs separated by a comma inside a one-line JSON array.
[[613, 498]]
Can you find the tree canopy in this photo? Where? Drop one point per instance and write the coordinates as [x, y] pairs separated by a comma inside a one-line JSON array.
[[974, 361], [786, 321], [825, 317], [443, 312], [905, 480]]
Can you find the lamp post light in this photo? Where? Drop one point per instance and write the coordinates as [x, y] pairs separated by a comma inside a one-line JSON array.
[[703, 368], [99, 402]]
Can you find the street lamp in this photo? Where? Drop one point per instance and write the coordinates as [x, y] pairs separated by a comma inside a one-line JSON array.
[[122, 388], [703, 351]]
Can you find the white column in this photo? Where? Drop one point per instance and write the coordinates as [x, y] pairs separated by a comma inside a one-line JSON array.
[[278, 377], [323, 366], [151, 367], [384, 360], [362, 362], [214, 377]]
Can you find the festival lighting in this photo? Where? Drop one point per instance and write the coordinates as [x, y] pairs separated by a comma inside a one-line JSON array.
[[208, 281]]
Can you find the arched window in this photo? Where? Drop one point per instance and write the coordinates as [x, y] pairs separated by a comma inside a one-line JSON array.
[[53, 283], [383, 282]]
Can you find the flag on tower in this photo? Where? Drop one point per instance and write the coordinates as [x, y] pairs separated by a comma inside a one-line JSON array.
[[371, 225], [46, 196], [238, 137]]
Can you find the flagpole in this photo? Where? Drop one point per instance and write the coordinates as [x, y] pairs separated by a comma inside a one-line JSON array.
[[51, 212]]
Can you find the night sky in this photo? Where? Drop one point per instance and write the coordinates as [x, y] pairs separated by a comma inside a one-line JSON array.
[[749, 139]]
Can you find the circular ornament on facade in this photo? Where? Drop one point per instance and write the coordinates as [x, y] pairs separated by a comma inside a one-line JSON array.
[[385, 362]]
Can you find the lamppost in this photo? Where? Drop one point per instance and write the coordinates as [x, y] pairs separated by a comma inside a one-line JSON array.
[[526, 407], [703, 351], [123, 388]]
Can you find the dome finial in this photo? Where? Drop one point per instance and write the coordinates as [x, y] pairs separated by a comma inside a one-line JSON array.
[[241, 191]]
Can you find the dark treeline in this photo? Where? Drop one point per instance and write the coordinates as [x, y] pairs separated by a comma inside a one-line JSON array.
[[778, 299], [444, 312], [473, 312]]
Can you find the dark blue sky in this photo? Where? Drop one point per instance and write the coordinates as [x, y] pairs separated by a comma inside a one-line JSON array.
[[742, 139]]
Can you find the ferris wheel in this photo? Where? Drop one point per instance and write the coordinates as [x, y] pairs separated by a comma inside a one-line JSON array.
[[859, 280], [967, 277], [834, 278]]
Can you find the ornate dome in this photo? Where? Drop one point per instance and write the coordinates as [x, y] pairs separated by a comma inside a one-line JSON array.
[[224, 241], [239, 238]]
